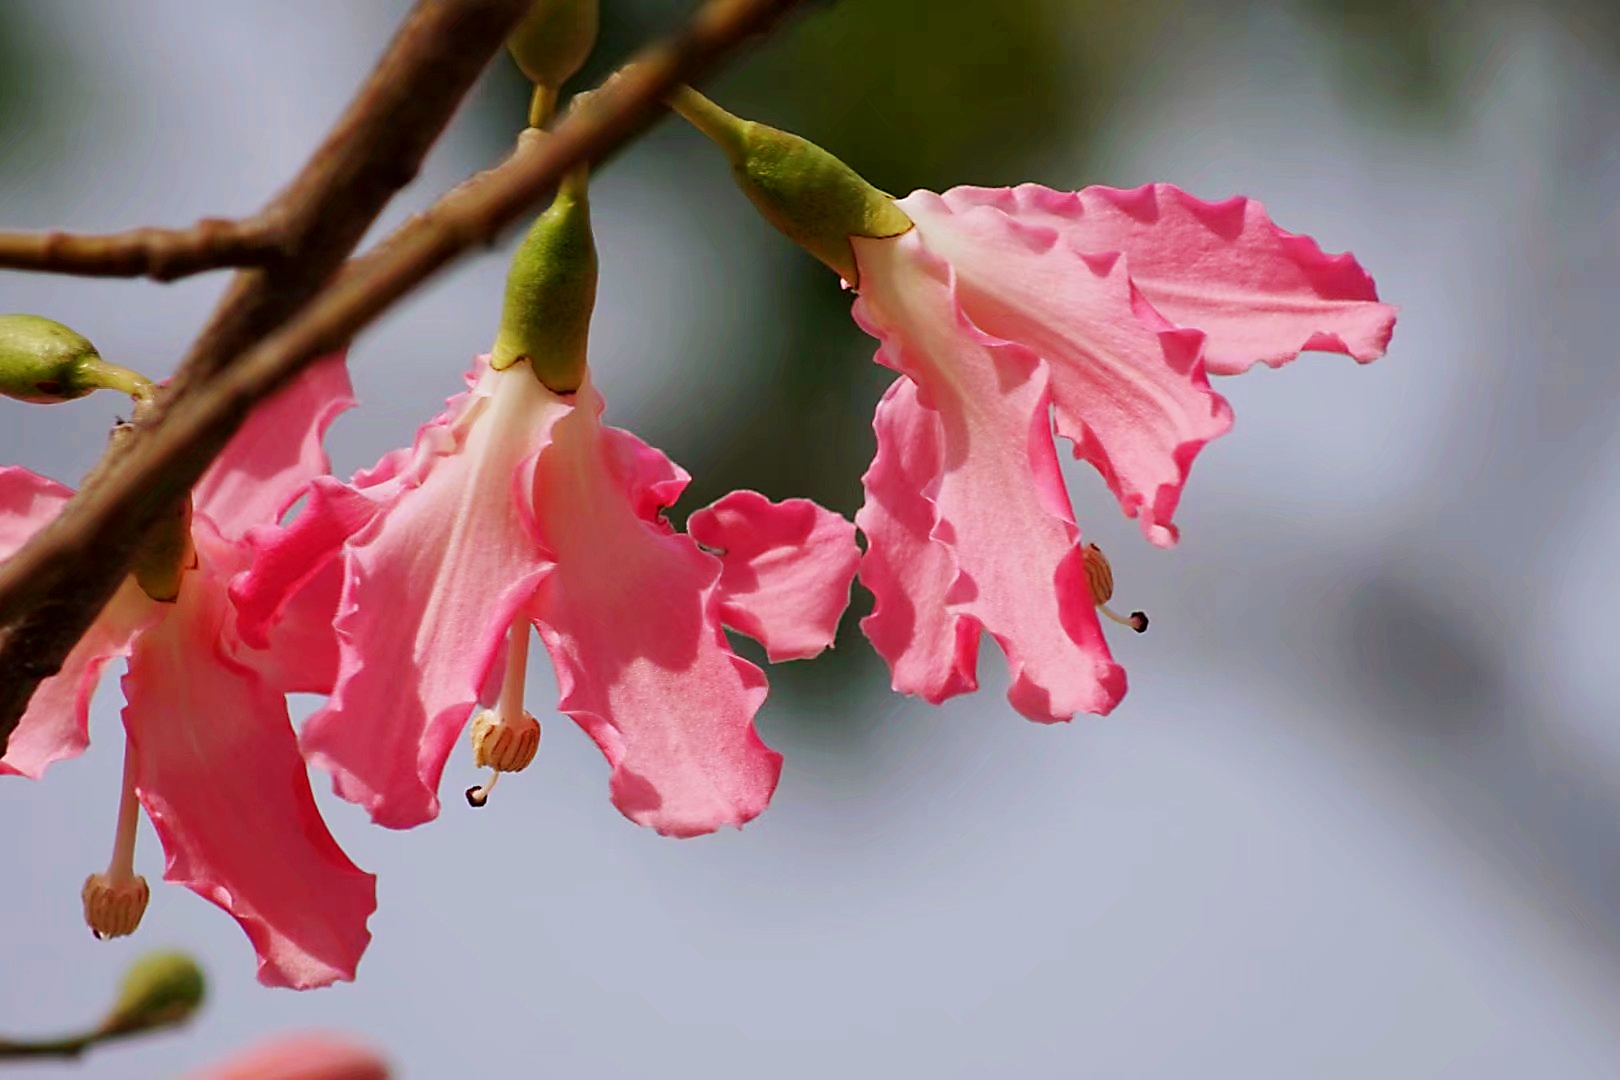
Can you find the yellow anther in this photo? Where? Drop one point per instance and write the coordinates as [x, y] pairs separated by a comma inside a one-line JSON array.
[[504, 745], [113, 906], [1100, 579]]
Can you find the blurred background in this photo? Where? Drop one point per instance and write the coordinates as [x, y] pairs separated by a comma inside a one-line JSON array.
[[1360, 813]]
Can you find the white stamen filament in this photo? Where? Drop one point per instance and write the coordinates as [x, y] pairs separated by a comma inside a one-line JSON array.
[[115, 901], [1137, 620], [121, 867], [509, 709]]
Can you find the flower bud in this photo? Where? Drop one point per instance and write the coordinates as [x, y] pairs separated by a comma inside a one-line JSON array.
[[550, 293], [549, 46], [159, 990], [814, 199], [44, 362], [309, 1056], [553, 40]]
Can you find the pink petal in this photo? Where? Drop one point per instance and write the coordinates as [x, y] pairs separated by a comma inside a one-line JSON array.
[[1129, 389], [301, 652], [28, 503], [55, 726], [999, 499], [263, 469], [1260, 293], [786, 569], [288, 558], [301, 556], [433, 582], [219, 772], [932, 650], [630, 617], [305, 1056]]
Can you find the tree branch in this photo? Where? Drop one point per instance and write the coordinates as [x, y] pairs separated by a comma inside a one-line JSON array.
[[53, 588], [160, 254]]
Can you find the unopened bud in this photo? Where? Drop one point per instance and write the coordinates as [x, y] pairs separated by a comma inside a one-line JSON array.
[[814, 199], [44, 362], [159, 990], [554, 39], [113, 908]]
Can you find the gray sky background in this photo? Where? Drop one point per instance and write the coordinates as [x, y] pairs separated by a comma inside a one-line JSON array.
[[1356, 818]]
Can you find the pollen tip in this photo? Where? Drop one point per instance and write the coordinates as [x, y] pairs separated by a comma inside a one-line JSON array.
[[477, 796], [1139, 621]]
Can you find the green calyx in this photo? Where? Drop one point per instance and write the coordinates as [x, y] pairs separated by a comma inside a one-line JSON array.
[[44, 362], [550, 293], [159, 990], [550, 45], [816, 200], [167, 551]]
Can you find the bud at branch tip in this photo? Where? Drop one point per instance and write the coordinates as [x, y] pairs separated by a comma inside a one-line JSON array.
[[814, 199], [44, 362]]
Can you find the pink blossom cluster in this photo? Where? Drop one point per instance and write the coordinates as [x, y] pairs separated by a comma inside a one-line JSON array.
[[406, 594]]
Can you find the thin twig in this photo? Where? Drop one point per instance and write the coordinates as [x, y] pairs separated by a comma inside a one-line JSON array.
[[160, 254], [53, 588]]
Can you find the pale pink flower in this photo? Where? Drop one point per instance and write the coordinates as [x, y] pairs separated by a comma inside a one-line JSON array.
[[518, 506], [304, 1056], [210, 752], [1013, 312]]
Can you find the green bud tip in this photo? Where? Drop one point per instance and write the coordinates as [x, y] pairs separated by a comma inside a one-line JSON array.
[[551, 291], [44, 362], [550, 45], [816, 200], [159, 990]]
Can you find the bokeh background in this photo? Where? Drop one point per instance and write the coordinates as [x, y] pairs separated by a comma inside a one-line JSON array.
[[1360, 813]]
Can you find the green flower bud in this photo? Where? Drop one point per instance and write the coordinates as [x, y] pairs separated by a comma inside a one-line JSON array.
[[166, 555], [816, 200], [159, 990], [167, 552], [44, 362], [551, 291], [550, 45]]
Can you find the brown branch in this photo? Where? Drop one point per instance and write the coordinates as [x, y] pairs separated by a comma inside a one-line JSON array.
[[52, 589], [55, 586], [160, 254]]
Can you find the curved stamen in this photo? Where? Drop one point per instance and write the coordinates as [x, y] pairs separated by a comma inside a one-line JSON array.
[[506, 738], [114, 901]]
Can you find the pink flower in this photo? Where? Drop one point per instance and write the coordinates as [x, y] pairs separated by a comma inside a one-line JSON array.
[[210, 752], [517, 506], [1009, 311], [307, 1056]]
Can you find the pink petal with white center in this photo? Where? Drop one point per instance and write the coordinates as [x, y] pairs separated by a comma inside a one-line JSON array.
[[433, 583], [1259, 293], [786, 569], [1129, 390], [263, 469], [630, 618], [289, 558], [999, 499], [219, 772], [932, 650], [56, 724]]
